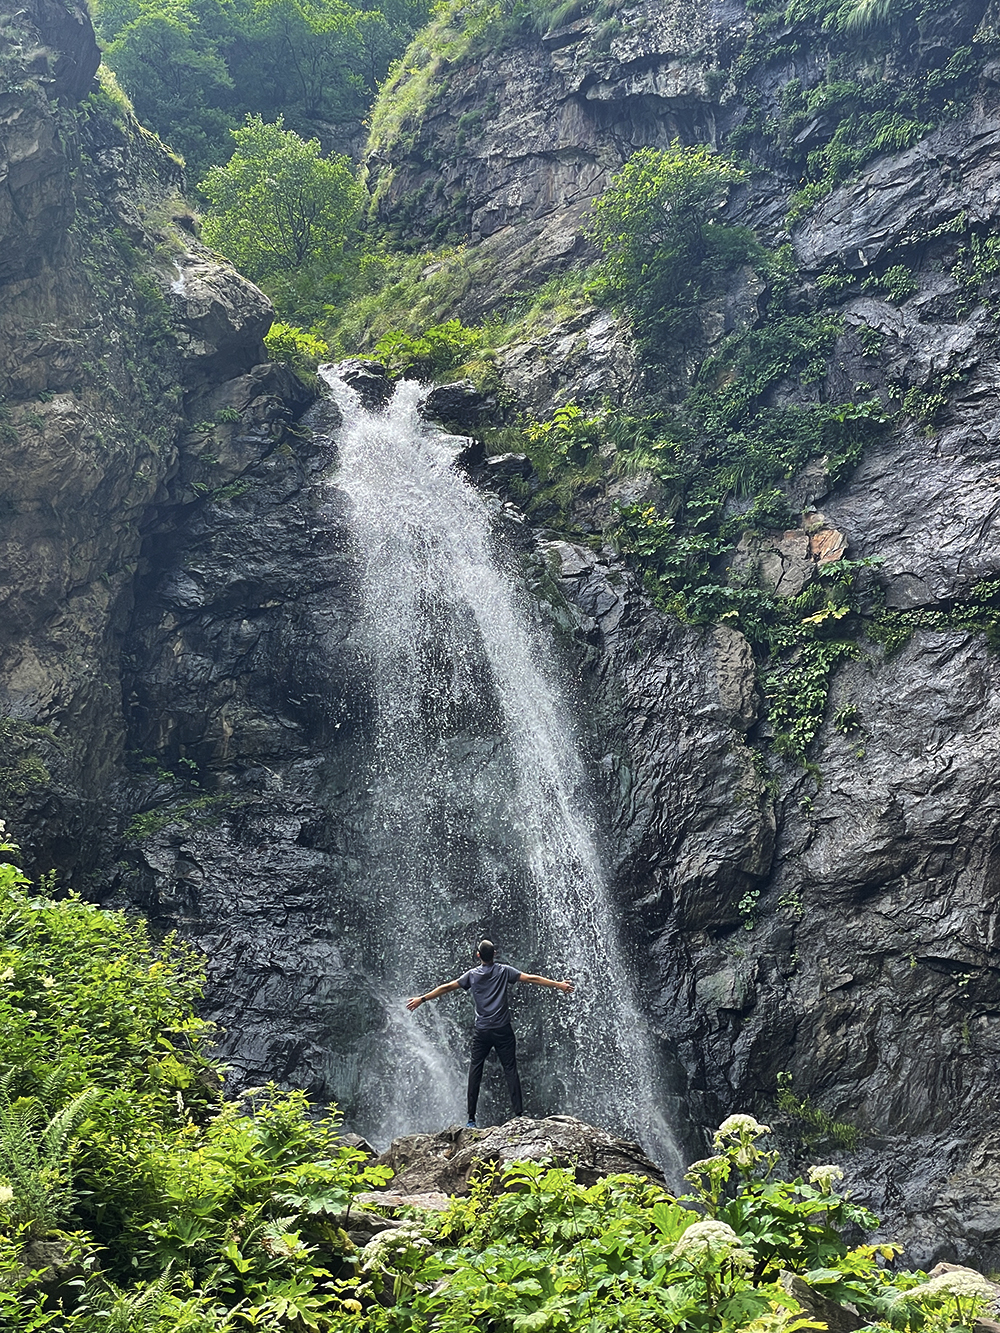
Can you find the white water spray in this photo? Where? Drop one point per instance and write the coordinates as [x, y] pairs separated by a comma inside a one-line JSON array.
[[480, 817]]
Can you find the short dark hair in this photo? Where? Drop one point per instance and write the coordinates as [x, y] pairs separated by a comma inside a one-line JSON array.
[[486, 951]]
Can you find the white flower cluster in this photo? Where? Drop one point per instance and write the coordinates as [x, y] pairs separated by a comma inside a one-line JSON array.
[[824, 1176], [6, 1195], [738, 1127], [707, 1166], [960, 1282], [392, 1244], [711, 1241]]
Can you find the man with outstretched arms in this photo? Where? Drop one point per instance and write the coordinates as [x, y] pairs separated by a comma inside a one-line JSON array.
[[489, 984]]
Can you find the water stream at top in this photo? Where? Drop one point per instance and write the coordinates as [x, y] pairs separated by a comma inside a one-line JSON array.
[[480, 816]]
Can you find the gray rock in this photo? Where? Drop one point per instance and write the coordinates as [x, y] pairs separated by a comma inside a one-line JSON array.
[[901, 197], [432, 1201], [460, 405], [583, 359], [448, 1161], [369, 380], [835, 1317], [507, 467]]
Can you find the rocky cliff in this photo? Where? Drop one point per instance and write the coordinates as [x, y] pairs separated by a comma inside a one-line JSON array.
[[866, 882], [132, 381]]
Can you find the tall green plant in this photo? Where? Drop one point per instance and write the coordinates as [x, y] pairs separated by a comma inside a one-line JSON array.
[[35, 1158]]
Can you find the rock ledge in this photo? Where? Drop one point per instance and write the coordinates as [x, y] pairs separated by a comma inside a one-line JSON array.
[[446, 1161]]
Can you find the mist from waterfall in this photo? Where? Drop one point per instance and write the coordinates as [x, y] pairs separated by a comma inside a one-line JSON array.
[[481, 820]]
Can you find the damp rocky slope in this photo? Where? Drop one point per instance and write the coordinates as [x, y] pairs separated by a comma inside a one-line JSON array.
[[133, 378]]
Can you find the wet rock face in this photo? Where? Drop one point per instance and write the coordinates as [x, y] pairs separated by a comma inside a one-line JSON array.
[[168, 543], [515, 141], [109, 354]]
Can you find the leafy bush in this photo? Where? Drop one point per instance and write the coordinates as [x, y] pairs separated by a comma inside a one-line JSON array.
[[227, 1215], [433, 353], [302, 350], [664, 248], [278, 204], [533, 1250], [569, 436]]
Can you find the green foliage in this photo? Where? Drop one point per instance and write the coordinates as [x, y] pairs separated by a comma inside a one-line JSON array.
[[797, 687], [196, 68], [198, 809], [88, 1001], [389, 292], [816, 1127], [298, 348], [111, 97], [897, 282], [978, 613], [976, 268], [35, 1156], [847, 719], [23, 751], [208, 1216], [279, 205], [664, 250], [436, 351], [175, 78], [569, 436], [531, 1249], [861, 15]]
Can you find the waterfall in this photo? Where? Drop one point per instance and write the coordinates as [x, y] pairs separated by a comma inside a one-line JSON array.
[[480, 817]]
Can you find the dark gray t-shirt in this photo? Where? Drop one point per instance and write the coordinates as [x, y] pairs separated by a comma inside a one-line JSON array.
[[488, 983]]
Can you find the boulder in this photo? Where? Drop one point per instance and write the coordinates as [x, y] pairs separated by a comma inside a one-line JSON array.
[[448, 1160], [837, 1318], [460, 404], [369, 380], [507, 467]]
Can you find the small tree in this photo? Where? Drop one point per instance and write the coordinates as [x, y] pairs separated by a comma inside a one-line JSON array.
[[278, 205], [663, 247]]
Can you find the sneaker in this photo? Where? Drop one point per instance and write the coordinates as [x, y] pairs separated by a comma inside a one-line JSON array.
[[470, 1124]]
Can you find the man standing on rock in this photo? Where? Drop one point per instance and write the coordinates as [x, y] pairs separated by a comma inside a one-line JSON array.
[[489, 983]]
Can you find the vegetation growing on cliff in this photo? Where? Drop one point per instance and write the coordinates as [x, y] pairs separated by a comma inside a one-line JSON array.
[[665, 249], [279, 208]]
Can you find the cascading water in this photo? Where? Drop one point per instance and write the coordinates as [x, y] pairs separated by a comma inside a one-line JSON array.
[[479, 821]]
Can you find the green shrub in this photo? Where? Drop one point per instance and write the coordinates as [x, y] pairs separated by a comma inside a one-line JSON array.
[[278, 205], [569, 436], [532, 1250], [664, 250], [427, 356], [111, 1122], [301, 350]]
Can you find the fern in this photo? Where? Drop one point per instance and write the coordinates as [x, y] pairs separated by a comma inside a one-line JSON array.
[[138, 1311], [35, 1155]]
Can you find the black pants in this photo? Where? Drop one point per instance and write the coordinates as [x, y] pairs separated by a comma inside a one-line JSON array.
[[506, 1047]]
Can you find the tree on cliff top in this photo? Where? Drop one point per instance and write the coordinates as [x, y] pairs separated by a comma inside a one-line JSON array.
[[278, 205]]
